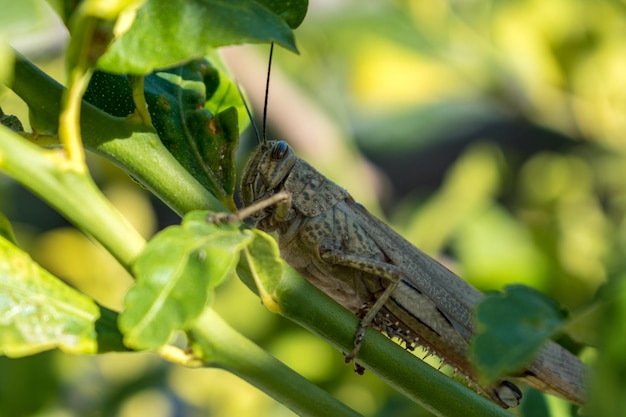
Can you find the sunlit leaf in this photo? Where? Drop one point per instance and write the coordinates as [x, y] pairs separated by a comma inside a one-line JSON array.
[[265, 266], [39, 312], [511, 327], [175, 276], [166, 33], [266, 258]]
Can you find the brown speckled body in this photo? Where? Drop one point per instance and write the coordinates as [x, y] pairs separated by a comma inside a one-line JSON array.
[[354, 257]]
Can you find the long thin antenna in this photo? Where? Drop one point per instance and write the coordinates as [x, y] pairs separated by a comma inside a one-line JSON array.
[[267, 89], [245, 104]]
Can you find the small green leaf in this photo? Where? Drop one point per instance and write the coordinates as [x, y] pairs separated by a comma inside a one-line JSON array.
[[110, 338], [583, 327], [11, 121], [225, 93], [266, 259], [264, 264], [292, 12], [166, 33], [202, 142], [511, 327], [176, 274], [213, 143], [39, 312]]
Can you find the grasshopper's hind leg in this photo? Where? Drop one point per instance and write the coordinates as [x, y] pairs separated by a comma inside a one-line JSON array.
[[371, 266], [367, 320]]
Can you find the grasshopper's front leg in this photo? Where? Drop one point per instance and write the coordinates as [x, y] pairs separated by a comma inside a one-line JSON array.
[[281, 200]]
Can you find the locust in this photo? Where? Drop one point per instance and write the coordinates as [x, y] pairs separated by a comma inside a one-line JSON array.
[[368, 268]]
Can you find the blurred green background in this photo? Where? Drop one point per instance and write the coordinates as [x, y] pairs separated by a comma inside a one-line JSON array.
[[495, 138]]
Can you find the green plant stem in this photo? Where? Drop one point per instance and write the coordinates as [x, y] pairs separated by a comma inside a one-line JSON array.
[[129, 144], [301, 302], [48, 174], [217, 344], [69, 128]]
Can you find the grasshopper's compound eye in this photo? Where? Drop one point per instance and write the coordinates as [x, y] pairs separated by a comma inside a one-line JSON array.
[[509, 394], [280, 150]]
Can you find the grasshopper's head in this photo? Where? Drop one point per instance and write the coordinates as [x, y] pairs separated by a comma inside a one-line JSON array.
[[266, 171]]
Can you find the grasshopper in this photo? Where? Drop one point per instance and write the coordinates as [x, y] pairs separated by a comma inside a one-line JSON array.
[[371, 270]]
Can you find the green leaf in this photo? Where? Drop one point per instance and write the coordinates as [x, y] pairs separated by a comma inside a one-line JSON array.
[[175, 275], [511, 327], [214, 141], [265, 266], [195, 109], [608, 384], [203, 143], [292, 12], [7, 59], [6, 231], [110, 338], [166, 33], [11, 121], [226, 93], [583, 326], [39, 312], [111, 93], [266, 259]]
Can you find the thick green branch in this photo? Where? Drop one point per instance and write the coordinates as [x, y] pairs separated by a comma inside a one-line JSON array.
[[74, 194], [217, 344], [306, 305]]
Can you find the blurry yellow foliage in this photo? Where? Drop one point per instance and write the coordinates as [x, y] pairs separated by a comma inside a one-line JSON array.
[[563, 186], [223, 394], [470, 186], [70, 255], [86, 265], [388, 75], [150, 402]]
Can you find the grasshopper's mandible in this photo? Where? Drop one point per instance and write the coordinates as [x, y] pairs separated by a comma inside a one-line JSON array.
[[371, 270]]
